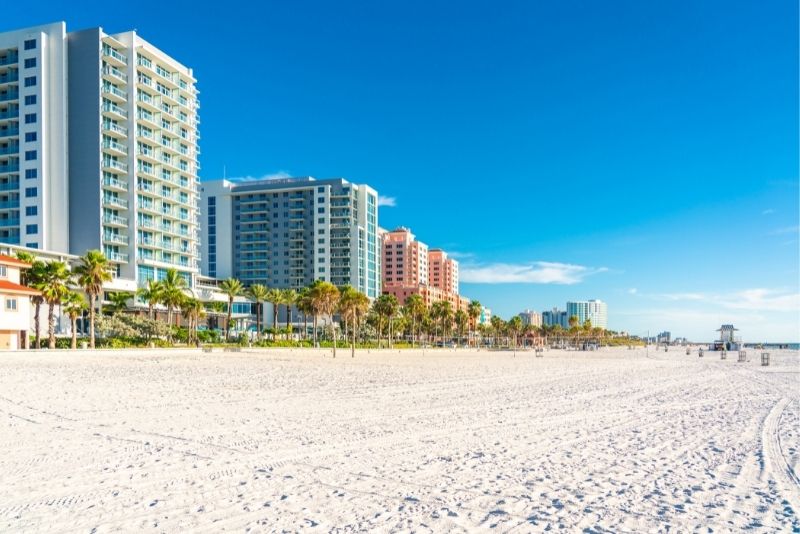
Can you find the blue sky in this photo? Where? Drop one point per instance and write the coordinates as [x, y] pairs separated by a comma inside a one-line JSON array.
[[642, 153]]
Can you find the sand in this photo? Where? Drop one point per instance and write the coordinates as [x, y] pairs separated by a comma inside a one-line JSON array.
[[615, 440]]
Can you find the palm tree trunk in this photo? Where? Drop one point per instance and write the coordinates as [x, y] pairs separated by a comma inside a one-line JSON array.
[[353, 346], [274, 321], [51, 326], [38, 308], [258, 320], [228, 322], [315, 329], [92, 298], [333, 333], [74, 344]]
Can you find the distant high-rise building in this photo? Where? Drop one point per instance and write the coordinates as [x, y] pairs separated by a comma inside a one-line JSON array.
[[595, 311], [404, 259], [286, 233], [555, 317], [531, 318], [34, 182], [442, 271]]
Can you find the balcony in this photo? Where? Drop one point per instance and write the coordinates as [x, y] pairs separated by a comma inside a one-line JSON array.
[[112, 72], [9, 186], [115, 165], [5, 96], [116, 256], [147, 223], [113, 183], [114, 56], [9, 222], [148, 118], [115, 201], [9, 204], [115, 128], [9, 132], [115, 238], [9, 114], [151, 103], [115, 220], [147, 241], [10, 240], [144, 186], [110, 108], [115, 147], [9, 77], [149, 171], [147, 206], [11, 167], [10, 149], [9, 58]]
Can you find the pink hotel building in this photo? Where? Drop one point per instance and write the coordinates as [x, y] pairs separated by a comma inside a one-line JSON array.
[[409, 268]]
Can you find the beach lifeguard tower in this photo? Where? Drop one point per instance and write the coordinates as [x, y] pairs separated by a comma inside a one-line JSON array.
[[728, 340]]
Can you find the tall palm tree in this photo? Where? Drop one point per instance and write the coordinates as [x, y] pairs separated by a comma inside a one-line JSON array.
[[92, 272], [385, 306], [514, 326], [474, 312], [289, 299], [172, 295], [461, 319], [274, 297], [151, 294], [119, 301], [258, 293], [74, 305], [193, 310], [325, 297], [231, 288], [304, 306], [33, 277], [353, 306], [54, 288], [415, 310]]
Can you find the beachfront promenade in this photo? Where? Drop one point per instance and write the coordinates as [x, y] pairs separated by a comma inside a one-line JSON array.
[[450, 441]]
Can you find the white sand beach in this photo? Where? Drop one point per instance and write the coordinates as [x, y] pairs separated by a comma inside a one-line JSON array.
[[615, 440]]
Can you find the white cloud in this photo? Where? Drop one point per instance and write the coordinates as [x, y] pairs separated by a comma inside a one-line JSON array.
[[389, 202], [274, 176], [757, 299], [786, 230], [768, 211], [460, 255], [539, 272], [633, 291]]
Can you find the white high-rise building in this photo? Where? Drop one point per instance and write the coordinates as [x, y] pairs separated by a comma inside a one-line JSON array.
[[33, 138], [595, 311], [134, 189], [98, 149]]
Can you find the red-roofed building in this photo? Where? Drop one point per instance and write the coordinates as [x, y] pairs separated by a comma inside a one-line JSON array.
[[15, 305]]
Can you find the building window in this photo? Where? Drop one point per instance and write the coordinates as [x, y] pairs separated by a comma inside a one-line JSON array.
[[320, 210], [30, 100], [30, 44], [31, 211], [30, 118], [31, 192], [30, 81], [32, 245], [31, 173], [30, 155], [30, 137], [30, 63], [32, 229], [3, 271], [11, 304]]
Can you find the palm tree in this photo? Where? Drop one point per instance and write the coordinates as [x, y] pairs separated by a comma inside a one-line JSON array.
[[288, 298], [33, 277], [151, 294], [54, 288], [258, 293], [304, 306], [217, 308], [497, 327], [74, 305], [514, 328], [172, 295], [232, 288], [461, 319], [415, 310], [193, 310], [474, 312], [274, 297], [92, 272], [385, 306], [352, 305], [119, 301], [325, 297], [310, 302]]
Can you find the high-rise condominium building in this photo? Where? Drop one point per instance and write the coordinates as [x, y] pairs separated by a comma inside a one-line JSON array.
[[531, 318], [286, 233], [133, 155], [405, 260], [442, 271], [595, 311], [98, 149], [555, 317], [33, 137]]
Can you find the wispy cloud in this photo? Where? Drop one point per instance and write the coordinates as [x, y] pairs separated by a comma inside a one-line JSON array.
[[273, 176], [786, 230], [757, 299], [540, 272], [768, 211], [633, 291], [462, 256], [389, 202]]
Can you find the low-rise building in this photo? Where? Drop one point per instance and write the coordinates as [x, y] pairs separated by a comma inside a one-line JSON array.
[[15, 305]]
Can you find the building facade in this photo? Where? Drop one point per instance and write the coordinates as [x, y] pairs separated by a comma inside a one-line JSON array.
[[555, 317], [286, 233], [33, 137], [442, 271], [595, 311], [404, 260], [531, 318], [15, 305], [134, 187]]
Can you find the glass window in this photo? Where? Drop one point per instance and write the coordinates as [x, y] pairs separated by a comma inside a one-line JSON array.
[[31, 173], [30, 100], [30, 137], [30, 81], [31, 192], [30, 44], [31, 210], [3, 271], [30, 155], [32, 245], [30, 118], [11, 304], [30, 63], [32, 229]]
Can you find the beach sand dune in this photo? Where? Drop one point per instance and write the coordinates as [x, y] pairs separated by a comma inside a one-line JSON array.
[[614, 440]]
